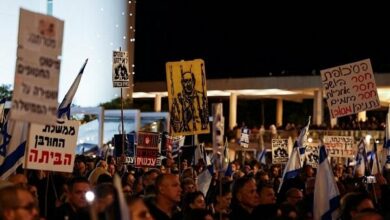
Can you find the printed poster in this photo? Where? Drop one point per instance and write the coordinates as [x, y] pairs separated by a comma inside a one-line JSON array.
[[187, 97], [120, 69], [279, 151]]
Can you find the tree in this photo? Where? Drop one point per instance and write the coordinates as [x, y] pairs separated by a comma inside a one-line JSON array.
[[5, 92]]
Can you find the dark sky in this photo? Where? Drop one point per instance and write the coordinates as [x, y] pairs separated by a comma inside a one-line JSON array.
[[248, 39]]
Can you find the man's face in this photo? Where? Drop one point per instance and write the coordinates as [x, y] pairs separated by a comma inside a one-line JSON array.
[[170, 188], [267, 196], [27, 208], [187, 83], [198, 203], [77, 195], [247, 196], [139, 211], [224, 201]]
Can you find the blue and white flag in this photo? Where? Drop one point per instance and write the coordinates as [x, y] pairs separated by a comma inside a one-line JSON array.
[[261, 157], [326, 193], [361, 166], [64, 108], [293, 166], [204, 180], [386, 142], [297, 157], [12, 146], [301, 141], [374, 162]]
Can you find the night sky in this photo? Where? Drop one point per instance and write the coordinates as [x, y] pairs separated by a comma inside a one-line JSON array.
[[250, 39]]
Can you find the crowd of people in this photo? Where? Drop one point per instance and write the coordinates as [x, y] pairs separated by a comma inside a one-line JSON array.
[[248, 191]]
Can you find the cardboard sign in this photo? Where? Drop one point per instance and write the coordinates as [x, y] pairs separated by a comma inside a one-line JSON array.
[[187, 97], [120, 69], [339, 146], [350, 88], [147, 149], [279, 151], [52, 147], [35, 95]]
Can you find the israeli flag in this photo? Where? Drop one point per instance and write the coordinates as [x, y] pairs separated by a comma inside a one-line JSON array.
[[361, 166], [386, 142], [261, 157], [64, 108], [301, 141], [293, 166], [326, 193], [12, 146]]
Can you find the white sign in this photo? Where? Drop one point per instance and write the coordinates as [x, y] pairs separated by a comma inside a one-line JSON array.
[[279, 151], [350, 88], [244, 140], [339, 146], [52, 147], [120, 69], [35, 95]]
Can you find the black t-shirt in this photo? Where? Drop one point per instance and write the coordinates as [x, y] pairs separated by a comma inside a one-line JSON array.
[[65, 212], [160, 215]]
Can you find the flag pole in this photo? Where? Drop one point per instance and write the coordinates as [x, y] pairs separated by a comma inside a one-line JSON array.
[[122, 121]]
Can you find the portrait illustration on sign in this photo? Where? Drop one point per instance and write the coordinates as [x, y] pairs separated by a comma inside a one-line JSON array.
[[187, 97]]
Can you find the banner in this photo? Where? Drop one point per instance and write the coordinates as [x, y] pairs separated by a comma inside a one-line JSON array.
[[312, 154], [339, 146], [52, 147], [187, 97], [350, 88]]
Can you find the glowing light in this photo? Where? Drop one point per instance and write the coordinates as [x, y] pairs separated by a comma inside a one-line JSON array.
[[310, 140], [131, 14], [90, 196]]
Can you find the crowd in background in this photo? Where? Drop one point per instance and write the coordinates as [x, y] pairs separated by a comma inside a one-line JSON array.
[[248, 190]]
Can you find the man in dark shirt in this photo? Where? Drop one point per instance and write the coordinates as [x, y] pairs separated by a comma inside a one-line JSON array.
[[76, 208], [168, 194]]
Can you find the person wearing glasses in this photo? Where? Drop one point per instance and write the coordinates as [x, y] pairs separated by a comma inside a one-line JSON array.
[[16, 203]]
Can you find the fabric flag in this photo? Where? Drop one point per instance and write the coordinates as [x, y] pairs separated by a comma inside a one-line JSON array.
[[293, 166], [375, 167], [177, 144], [326, 193], [200, 154], [361, 166], [301, 141], [64, 108], [225, 156], [204, 180], [261, 157], [297, 157], [13, 144], [386, 142], [121, 209]]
